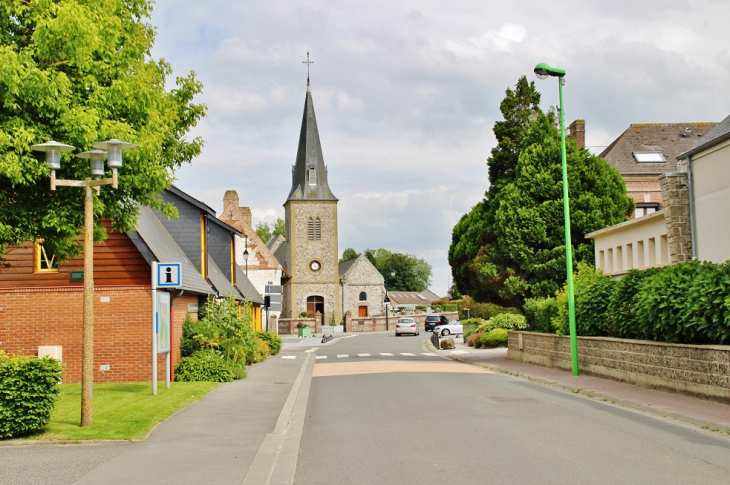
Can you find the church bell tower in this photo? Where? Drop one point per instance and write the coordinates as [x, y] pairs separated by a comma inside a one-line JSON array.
[[310, 214]]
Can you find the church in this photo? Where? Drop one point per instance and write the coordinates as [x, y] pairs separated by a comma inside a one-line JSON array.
[[309, 251]]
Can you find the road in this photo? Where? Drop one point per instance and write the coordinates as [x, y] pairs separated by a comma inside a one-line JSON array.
[[382, 411]]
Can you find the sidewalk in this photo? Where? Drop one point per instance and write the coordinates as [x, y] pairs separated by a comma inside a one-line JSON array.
[[705, 414]]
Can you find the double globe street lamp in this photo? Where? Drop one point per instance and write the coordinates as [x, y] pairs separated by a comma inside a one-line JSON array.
[[96, 158], [543, 71]]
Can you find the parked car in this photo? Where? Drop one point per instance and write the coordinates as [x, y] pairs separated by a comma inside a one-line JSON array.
[[451, 328], [433, 321], [406, 325]]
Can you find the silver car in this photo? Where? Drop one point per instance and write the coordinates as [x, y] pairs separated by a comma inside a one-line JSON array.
[[406, 325], [451, 328]]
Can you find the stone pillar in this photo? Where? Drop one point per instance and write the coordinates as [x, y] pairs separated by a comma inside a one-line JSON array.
[[273, 324], [348, 321], [676, 215], [318, 322], [577, 130]]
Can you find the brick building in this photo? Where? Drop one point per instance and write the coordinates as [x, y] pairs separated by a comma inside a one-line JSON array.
[[41, 308], [647, 150]]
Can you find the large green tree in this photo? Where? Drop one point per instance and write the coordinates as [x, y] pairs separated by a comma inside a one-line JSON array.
[[266, 231], [512, 244], [402, 272], [80, 72]]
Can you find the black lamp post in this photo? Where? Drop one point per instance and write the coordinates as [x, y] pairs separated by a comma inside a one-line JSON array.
[[386, 301], [245, 256]]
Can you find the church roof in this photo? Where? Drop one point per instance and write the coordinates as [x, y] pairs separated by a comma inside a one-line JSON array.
[[309, 174]]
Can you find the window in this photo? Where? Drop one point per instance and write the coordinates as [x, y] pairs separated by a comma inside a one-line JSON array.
[[645, 209], [310, 229], [314, 229], [312, 175], [649, 157], [43, 260], [363, 296]]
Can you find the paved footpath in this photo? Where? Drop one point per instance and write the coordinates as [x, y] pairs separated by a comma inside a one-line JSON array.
[[710, 415], [224, 435]]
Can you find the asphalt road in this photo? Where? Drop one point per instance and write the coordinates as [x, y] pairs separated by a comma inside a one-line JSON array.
[[422, 419]]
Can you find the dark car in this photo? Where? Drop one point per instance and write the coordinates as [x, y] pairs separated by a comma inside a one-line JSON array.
[[432, 321]]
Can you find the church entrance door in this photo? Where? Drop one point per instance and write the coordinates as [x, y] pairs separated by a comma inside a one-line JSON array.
[[315, 304]]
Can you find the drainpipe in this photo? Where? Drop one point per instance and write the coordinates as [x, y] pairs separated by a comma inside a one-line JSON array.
[[690, 184], [342, 303]]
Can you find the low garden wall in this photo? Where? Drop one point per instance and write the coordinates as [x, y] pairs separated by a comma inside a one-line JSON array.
[[379, 323], [697, 370]]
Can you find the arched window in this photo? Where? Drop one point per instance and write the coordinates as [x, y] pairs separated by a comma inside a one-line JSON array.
[[317, 229], [363, 296], [310, 229]]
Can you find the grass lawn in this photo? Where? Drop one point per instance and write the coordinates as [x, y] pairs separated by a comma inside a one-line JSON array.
[[122, 411]]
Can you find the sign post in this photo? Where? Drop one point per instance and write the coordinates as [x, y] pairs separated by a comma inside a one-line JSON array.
[[164, 275]]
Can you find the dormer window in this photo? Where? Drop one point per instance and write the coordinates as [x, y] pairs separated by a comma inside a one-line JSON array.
[[312, 175]]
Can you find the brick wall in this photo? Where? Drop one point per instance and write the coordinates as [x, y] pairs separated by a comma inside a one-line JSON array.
[[33, 317]]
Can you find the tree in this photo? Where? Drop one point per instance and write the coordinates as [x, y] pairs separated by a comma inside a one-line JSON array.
[[266, 231], [80, 72], [349, 254], [402, 272], [511, 245]]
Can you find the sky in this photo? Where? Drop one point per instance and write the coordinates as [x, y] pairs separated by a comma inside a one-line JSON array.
[[406, 94]]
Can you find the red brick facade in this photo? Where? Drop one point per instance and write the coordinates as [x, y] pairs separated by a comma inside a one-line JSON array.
[[644, 189], [33, 317]]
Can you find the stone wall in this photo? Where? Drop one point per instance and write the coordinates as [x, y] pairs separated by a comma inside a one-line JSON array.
[[380, 324], [676, 215], [697, 370]]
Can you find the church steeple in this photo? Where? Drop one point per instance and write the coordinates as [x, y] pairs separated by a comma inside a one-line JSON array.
[[309, 174]]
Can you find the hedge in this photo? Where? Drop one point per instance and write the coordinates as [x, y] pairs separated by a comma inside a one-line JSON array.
[[539, 314], [28, 392], [207, 365], [685, 303]]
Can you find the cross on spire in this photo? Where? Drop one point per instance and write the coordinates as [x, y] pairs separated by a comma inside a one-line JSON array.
[[307, 62]]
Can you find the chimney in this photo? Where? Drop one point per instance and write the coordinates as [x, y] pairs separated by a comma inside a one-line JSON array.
[[577, 130]]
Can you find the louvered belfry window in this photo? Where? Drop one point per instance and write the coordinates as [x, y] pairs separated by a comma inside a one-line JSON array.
[[310, 229], [317, 229]]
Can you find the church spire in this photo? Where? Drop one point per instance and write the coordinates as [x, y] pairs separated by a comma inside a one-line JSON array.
[[309, 174]]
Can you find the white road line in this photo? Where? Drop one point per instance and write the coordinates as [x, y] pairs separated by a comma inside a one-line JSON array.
[[288, 356], [429, 354], [342, 356], [349, 336], [457, 352], [363, 355], [320, 357], [385, 354], [406, 354], [310, 351]]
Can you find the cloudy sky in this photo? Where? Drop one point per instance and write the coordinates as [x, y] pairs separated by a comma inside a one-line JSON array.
[[406, 93]]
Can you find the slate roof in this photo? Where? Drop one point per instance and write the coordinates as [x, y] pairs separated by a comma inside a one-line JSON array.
[[246, 288], [220, 282], [345, 267], [309, 154], [670, 139], [408, 298], [156, 244], [717, 135]]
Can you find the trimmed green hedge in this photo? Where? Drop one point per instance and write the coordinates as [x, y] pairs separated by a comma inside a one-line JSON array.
[[507, 321], [272, 339], [685, 303], [539, 314], [494, 338], [207, 365], [28, 392]]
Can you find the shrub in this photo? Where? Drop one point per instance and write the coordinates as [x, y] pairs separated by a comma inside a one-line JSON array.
[[260, 352], [473, 339], [206, 365], [494, 338], [421, 307], [592, 291], [686, 303], [28, 392], [190, 329], [623, 321], [483, 310], [303, 314], [507, 321], [450, 307], [539, 314], [272, 339]]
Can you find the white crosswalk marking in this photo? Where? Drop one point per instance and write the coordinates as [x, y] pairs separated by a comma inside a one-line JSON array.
[[342, 356], [320, 357], [429, 354], [407, 354], [386, 354], [457, 352], [363, 355], [310, 351], [288, 356]]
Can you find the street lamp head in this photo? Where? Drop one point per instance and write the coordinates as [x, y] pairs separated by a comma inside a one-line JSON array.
[[53, 151], [543, 71], [96, 160], [114, 147], [245, 256]]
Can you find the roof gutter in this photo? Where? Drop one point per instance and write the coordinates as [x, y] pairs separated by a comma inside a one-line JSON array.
[[690, 188]]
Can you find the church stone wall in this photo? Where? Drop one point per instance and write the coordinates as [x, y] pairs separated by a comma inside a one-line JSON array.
[[363, 277], [302, 251]]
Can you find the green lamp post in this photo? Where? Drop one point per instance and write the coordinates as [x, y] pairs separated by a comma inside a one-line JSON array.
[[543, 71]]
